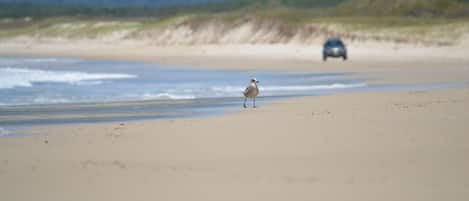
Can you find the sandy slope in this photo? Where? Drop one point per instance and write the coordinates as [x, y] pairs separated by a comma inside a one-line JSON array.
[[378, 146]]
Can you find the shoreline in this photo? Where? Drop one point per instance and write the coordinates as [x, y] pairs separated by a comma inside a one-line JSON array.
[[169, 91], [26, 128]]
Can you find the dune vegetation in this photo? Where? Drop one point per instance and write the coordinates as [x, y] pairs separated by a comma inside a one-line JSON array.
[[244, 21]]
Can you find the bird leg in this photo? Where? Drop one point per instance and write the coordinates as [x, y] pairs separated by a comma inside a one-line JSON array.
[[244, 105], [254, 102]]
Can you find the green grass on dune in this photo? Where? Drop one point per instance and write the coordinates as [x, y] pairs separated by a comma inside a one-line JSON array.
[[428, 20], [424, 29]]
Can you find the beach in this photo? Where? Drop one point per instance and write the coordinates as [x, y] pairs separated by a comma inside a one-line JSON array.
[[143, 100], [376, 145]]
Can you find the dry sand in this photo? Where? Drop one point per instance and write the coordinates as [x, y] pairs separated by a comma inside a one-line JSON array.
[[376, 146], [409, 145]]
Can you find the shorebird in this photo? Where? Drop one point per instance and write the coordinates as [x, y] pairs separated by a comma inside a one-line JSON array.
[[251, 92]]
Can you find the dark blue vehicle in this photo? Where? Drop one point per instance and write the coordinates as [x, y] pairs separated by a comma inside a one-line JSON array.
[[334, 47]]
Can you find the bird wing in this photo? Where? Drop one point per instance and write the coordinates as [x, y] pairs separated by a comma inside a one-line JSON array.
[[246, 91], [249, 89]]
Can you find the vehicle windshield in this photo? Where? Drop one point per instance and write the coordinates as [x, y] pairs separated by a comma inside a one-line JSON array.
[[334, 43]]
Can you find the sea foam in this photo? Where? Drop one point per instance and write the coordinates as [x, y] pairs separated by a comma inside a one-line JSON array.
[[312, 87], [23, 77], [4, 132], [236, 91]]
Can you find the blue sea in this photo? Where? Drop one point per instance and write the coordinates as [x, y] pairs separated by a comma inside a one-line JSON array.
[[43, 91]]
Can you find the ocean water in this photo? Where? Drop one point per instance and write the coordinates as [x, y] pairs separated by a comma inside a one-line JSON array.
[[34, 81], [63, 90], [42, 91]]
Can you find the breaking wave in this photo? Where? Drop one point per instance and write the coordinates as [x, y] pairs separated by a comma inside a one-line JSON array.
[[23, 77], [4, 132], [312, 87], [166, 96], [236, 91]]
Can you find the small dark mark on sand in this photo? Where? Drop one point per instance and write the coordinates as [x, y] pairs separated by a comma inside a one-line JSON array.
[[88, 163], [326, 112], [119, 164]]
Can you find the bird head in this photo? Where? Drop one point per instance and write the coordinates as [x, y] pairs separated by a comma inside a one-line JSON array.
[[254, 80]]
